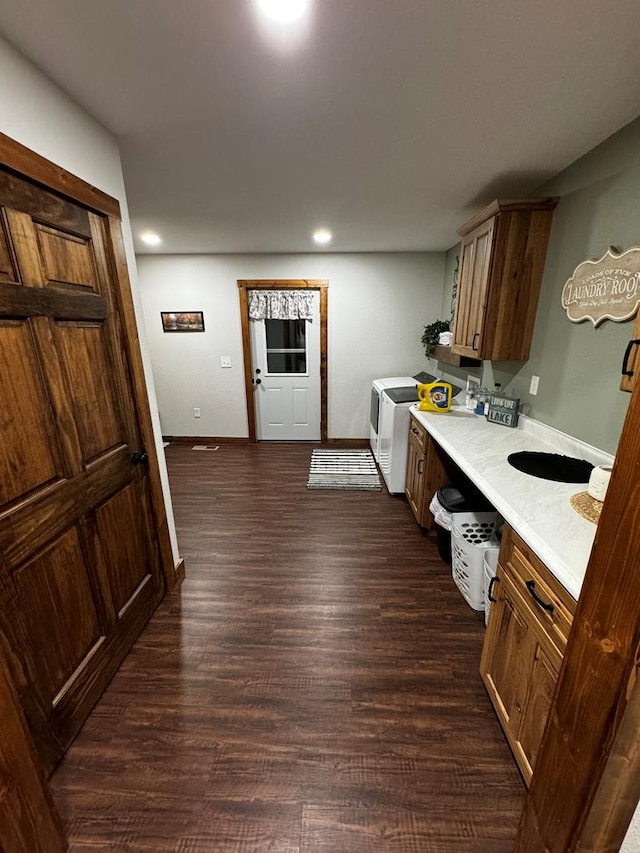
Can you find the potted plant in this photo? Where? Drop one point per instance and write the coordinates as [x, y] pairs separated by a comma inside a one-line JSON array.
[[432, 333]]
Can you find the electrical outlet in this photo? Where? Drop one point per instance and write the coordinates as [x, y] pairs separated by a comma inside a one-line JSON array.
[[225, 361], [196, 413], [533, 387]]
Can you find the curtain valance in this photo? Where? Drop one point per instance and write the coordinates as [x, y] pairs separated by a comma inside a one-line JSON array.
[[280, 304]]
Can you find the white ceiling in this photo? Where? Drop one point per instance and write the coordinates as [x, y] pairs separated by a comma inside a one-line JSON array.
[[388, 121]]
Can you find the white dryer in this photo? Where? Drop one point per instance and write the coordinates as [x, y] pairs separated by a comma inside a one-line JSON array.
[[377, 388], [393, 444]]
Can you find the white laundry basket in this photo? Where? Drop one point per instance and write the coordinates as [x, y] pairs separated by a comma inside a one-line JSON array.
[[471, 534], [490, 561]]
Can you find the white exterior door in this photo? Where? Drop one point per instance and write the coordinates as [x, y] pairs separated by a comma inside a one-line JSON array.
[[285, 355]]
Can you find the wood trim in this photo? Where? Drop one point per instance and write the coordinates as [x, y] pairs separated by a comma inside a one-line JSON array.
[[115, 247], [285, 284], [596, 696], [324, 343], [246, 357], [36, 168], [445, 356], [507, 206], [619, 790], [180, 570]]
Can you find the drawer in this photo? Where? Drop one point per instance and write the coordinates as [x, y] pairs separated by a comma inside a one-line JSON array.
[[417, 434], [547, 598]]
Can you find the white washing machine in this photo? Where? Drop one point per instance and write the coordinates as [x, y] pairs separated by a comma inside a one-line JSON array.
[[393, 435], [377, 388]]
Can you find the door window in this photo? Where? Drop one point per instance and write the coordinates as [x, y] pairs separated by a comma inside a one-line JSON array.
[[286, 344]]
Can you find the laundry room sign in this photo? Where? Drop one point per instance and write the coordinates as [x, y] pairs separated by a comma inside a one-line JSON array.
[[606, 289]]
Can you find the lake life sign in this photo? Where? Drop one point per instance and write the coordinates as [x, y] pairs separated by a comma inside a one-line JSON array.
[[503, 410], [606, 289]]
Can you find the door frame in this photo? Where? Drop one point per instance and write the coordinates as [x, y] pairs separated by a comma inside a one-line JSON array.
[[322, 286]]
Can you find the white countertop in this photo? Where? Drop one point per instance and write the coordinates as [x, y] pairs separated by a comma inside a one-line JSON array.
[[538, 510]]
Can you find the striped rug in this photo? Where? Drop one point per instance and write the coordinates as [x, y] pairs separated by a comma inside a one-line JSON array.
[[343, 469]]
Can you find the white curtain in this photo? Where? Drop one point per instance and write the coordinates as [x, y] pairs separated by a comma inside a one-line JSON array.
[[280, 304]]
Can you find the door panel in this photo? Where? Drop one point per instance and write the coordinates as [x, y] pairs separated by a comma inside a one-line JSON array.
[[55, 585], [543, 685], [79, 570], [24, 466], [123, 540], [300, 399], [93, 398], [273, 407], [8, 270], [67, 260]]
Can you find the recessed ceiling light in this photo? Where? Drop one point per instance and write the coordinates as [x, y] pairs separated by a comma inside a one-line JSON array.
[[150, 238], [322, 236], [283, 11]]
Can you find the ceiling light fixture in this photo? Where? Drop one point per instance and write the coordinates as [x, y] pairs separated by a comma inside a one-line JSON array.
[[283, 11], [322, 236], [150, 238]]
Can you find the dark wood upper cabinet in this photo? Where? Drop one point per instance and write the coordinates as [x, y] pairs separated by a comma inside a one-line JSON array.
[[502, 259]]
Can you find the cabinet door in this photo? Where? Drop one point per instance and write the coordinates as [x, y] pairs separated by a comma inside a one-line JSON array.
[[544, 677], [414, 483], [475, 268], [507, 656], [519, 668]]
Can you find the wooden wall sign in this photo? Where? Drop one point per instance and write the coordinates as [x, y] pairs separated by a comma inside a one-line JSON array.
[[606, 289]]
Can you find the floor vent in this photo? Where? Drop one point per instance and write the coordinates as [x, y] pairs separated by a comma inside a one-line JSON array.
[[205, 447]]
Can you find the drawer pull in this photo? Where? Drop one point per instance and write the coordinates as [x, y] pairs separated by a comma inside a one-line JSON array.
[[625, 360], [473, 342], [490, 590], [420, 461], [546, 605]]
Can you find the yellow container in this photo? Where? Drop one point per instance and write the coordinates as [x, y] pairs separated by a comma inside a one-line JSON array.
[[435, 397]]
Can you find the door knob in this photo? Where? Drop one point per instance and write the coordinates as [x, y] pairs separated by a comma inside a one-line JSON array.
[[258, 381], [140, 457]]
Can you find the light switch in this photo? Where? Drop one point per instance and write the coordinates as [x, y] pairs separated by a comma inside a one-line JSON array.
[[225, 361], [533, 387]]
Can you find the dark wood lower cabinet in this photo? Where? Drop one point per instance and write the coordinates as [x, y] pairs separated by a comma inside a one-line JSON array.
[[523, 648], [428, 468]]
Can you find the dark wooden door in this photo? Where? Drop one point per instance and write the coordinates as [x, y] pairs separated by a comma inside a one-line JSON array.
[[79, 567]]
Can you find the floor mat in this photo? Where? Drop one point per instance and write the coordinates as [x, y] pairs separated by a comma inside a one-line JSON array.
[[343, 469]]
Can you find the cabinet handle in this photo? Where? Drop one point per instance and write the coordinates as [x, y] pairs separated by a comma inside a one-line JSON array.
[[420, 461], [493, 580], [473, 342], [627, 353], [546, 605]]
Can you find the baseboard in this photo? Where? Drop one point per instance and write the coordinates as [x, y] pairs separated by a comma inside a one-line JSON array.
[[204, 439], [181, 571], [217, 439]]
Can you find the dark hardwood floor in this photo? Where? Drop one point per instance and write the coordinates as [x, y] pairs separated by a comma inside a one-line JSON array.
[[312, 688]]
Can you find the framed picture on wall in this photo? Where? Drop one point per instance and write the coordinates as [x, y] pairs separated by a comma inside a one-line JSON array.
[[182, 321]]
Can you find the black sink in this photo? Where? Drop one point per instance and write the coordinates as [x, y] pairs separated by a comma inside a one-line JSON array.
[[551, 466]]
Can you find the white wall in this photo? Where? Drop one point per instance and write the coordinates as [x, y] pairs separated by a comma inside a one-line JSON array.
[[378, 306], [41, 116]]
